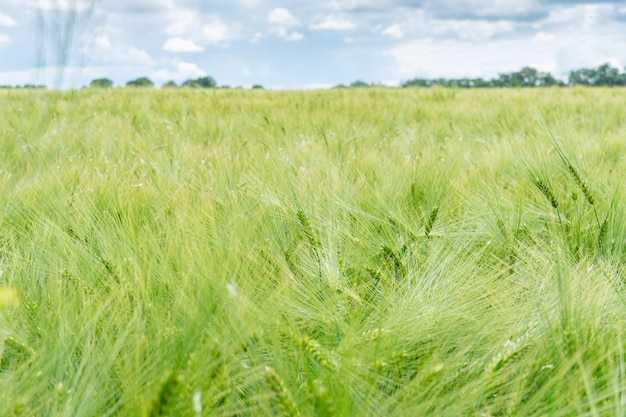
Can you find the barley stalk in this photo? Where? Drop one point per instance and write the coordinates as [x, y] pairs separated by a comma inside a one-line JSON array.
[[604, 228], [283, 399]]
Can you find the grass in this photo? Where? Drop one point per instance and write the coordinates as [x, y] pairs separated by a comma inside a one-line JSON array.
[[346, 252]]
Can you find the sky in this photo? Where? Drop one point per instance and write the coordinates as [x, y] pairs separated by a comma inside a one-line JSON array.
[[302, 44]]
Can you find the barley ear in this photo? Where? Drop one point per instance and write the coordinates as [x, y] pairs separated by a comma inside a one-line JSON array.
[[282, 398], [430, 220], [581, 183], [166, 395], [316, 352], [603, 232], [547, 192], [307, 230]]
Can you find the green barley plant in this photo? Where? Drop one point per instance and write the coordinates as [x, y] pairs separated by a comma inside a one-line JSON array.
[[326, 253]]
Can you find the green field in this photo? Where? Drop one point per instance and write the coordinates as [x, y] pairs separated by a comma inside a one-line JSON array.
[[373, 252]]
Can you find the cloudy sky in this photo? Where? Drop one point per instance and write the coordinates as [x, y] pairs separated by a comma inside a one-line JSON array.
[[304, 43]]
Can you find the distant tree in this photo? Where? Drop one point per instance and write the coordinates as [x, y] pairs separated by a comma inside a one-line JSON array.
[[442, 82], [101, 83], [359, 84], [202, 82], [257, 87], [583, 76], [140, 82], [416, 82], [503, 80], [480, 83], [170, 84], [545, 79], [526, 77], [607, 76], [604, 75]]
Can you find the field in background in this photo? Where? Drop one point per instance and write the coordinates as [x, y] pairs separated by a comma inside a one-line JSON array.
[[333, 253]]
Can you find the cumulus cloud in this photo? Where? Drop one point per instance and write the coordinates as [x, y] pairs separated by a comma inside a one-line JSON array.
[[282, 17], [4, 39], [101, 50], [6, 20], [585, 16], [283, 33], [200, 28], [282, 21], [543, 36], [487, 9], [189, 69], [181, 45], [61, 5], [180, 70], [140, 6], [371, 5], [472, 29], [459, 58], [394, 31], [333, 23]]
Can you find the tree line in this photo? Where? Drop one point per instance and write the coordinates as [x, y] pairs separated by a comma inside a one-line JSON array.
[[202, 82], [603, 76]]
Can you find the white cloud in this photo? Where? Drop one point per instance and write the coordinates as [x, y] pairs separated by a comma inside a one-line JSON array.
[[286, 35], [182, 71], [4, 39], [181, 45], [294, 36], [359, 4], [63, 5], [485, 8], [215, 32], [250, 3], [189, 69], [256, 38], [472, 29], [283, 17], [394, 31], [333, 23], [7, 21], [100, 49], [132, 55], [456, 58], [202, 29], [585, 16], [543, 36], [181, 20], [139, 6]]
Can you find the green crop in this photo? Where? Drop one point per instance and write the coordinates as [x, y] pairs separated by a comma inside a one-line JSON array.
[[369, 252]]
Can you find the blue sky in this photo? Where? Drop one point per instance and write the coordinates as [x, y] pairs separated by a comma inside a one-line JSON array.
[[305, 43]]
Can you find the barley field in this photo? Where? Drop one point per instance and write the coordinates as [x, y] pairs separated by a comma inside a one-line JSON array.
[[372, 252]]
